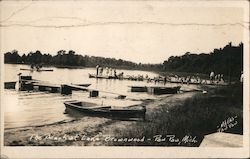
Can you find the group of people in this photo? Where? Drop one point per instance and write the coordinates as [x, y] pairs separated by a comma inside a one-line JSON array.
[[187, 79], [36, 67], [101, 71], [216, 78], [108, 71], [219, 77]]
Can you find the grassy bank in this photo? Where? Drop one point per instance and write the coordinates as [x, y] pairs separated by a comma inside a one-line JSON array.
[[194, 118], [188, 116]]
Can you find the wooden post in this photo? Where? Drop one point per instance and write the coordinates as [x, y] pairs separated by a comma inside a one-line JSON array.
[[93, 93], [66, 90], [23, 86], [144, 114]]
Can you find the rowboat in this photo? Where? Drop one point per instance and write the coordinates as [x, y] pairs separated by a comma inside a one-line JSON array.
[[26, 69], [138, 88], [156, 90], [107, 111], [102, 77], [131, 78], [163, 90]]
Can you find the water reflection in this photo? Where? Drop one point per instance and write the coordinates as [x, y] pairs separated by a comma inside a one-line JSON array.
[[37, 108]]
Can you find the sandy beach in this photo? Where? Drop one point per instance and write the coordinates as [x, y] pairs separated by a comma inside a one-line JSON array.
[[81, 132]]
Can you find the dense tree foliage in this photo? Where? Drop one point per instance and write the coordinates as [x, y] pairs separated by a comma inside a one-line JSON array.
[[227, 61], [71, 59]]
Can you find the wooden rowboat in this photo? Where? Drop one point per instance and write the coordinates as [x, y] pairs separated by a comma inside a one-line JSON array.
[[156, 90], [163, 90], [26, 69], [107, 111], [102, 77]]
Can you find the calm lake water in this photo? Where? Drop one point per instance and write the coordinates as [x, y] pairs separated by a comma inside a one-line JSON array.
[[23, 108]]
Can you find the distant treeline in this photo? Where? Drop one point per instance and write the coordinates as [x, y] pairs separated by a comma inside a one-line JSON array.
[[227, 61], [71, 59]]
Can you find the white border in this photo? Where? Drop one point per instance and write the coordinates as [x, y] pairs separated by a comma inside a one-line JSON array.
[[148, 152]]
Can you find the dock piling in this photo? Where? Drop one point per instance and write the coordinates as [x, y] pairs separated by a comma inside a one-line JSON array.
[[66, 90], [93, 93]]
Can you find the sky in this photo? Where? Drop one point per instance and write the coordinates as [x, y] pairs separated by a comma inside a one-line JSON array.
[[138, 31]]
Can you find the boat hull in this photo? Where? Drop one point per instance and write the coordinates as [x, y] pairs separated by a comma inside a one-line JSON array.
[[107, 111], [156, 90]]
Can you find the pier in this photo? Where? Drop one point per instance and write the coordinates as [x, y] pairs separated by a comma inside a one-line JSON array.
[[26, 83]]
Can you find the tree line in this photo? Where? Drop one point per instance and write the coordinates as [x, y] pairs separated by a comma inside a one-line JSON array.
[[71, 59], [227, 60]]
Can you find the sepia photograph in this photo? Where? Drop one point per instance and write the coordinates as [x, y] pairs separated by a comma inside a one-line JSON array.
[[124, 79]]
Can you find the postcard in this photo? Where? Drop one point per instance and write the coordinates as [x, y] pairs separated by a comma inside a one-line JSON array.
[[124, 79]]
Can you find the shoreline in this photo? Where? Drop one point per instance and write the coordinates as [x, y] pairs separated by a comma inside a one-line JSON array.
[[159, 72], [90, 127], [83, 67], [181, 119]]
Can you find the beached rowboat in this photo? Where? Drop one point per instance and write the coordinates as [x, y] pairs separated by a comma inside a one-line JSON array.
[[107, 111], [157, 90], [26, 69]]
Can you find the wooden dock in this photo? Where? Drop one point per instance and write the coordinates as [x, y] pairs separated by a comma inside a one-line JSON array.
[[26, 83], [9, 85]]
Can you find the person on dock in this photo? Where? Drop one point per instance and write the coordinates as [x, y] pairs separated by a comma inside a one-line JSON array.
[[120, 75], [18, 83], [165, 80], [212, 76], [182, 80], [110, 71], [241, 77], [215, 78], [221, 78], [197, 78], [115, 73], [101, 70], [218, 76], [188, 79], [32, 66], [37, 68], [107, 71], [97, 69], [176, 77]]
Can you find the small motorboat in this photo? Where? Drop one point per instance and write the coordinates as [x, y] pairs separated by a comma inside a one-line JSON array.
[[134, 111]]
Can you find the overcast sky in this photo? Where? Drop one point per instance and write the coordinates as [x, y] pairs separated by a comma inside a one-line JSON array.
[[139, 31]]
